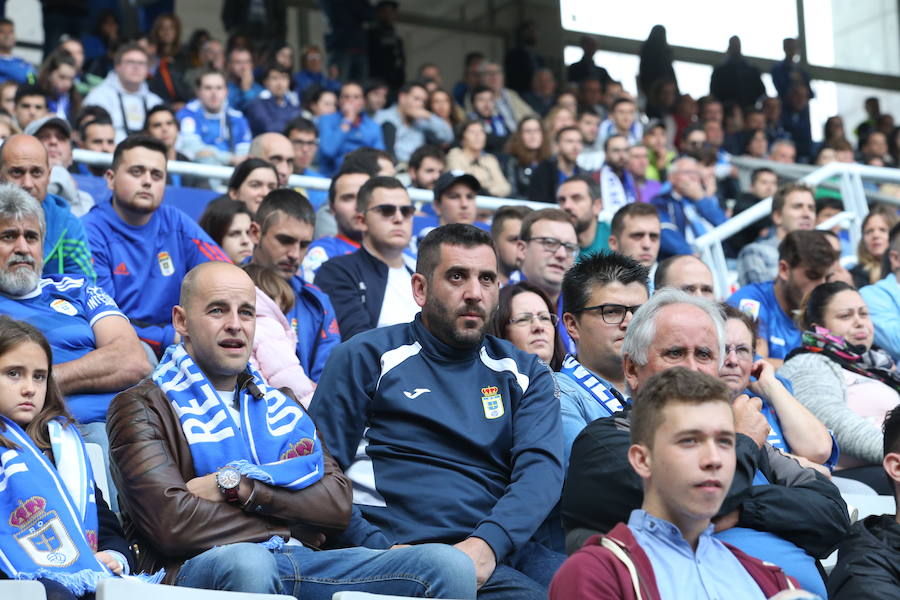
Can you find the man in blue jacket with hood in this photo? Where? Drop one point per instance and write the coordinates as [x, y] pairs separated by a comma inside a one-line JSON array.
[[23, 162]]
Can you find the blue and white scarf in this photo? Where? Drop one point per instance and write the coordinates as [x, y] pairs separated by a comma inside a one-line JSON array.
[[48, 515], [599, 389], [276, 442]]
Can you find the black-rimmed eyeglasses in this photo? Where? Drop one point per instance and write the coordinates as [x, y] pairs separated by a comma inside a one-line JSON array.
[[612, 314], [552, 244]]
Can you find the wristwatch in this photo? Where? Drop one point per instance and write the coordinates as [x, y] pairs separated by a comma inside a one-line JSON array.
[[229, 480]]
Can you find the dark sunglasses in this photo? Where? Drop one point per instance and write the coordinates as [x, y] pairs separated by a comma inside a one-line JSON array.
[[389, 210]]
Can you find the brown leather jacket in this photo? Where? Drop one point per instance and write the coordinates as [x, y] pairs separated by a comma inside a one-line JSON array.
[[151, 463]]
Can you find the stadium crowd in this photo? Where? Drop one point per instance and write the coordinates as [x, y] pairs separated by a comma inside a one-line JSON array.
[[306, 391]]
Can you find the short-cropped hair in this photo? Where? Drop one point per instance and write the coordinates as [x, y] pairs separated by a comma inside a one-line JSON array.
[[455, 234], [25, 90], [761, 171], [16, 204], [675, 385], [642, 330], [426, 151], [544, 214], [811, 248], [301, 124], [286, 202], [505, 213], [126, 48], [364, 195], [205, 71], [635, 209], [781, 194], [600, 268], [138, 140], [592, 187], [891, 429]]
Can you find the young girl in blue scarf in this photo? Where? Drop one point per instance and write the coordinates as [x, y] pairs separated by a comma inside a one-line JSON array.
[[55, 526]]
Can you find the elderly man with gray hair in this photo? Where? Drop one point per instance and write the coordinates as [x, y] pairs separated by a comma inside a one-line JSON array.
[[95, 350], [775, 510]]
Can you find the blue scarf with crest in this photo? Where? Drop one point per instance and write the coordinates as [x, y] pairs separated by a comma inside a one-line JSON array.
[[275, 441]]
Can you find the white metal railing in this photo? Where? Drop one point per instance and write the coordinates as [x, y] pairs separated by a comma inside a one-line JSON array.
[[102, 159], [853, 195]]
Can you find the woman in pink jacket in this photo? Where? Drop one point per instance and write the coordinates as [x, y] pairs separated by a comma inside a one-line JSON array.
[[275, 342]]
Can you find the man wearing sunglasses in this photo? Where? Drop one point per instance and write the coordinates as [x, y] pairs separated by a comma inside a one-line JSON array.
[[373, 286], [282, 230], [600, 296]]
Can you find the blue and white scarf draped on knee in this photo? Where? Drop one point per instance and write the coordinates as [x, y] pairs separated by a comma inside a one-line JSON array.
[[48, 515], [276, 442]]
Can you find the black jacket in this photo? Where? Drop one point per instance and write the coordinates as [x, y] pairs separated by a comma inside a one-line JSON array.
[[355, 284], [868, 564], [544, 181], [602, 489]]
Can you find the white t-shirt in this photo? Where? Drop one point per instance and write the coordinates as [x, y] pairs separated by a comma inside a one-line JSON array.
[[398, 305]]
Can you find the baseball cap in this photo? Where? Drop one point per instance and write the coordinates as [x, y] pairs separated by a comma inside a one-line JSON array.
[[35, 126], [451, 178]]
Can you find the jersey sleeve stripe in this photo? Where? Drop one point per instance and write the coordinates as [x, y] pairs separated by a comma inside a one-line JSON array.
[[107, 313]]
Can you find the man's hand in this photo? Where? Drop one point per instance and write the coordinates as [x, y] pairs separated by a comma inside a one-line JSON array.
[[692, 189], [749, 420], [708, 178], [482, 555], [110, 563], [206, 487], [727, 521], [349, 117], [246, 79], [419, 113]]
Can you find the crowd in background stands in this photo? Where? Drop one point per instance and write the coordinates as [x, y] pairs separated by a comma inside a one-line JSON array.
[[629, 184]]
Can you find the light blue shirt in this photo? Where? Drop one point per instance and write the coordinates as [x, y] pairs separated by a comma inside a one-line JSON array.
[[883, 300], [578, 408], [710, 573]]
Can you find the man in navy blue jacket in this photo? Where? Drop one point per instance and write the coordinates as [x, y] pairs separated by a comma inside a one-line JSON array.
[[448, 434], [372, 286]]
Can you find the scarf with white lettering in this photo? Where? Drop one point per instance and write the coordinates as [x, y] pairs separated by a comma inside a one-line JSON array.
[[276, 442], [48, 515], [605, 394]]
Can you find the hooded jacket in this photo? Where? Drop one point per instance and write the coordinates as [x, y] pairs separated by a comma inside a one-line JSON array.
[[128, 110], [615, 566]]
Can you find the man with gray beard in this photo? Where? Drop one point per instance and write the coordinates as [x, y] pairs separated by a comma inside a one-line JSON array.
[[95, 350]]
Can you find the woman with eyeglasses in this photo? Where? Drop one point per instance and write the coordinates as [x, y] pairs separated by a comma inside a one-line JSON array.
[[793, 428], [848, 383], [526, 318]]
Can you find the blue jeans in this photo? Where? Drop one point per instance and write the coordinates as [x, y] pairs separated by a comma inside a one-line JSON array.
[[426, 571], [524, 575]]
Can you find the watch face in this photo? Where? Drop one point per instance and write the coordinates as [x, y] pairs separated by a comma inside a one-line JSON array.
[[229, 478]]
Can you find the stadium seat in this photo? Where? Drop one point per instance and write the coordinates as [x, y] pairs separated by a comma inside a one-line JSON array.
[[366, 596], [22, 590], [95, 456], [129, 588]]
